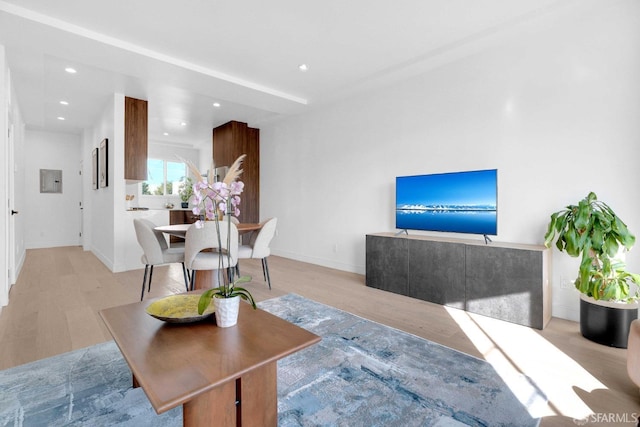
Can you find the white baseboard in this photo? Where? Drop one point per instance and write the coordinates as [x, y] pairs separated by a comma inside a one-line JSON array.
[[320, 261]]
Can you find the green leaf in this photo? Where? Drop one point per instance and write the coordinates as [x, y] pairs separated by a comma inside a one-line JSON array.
[[205, 300], [597, 237], [551, 231], [562, 221], [571, 239], [624, 236], [610, 247], [245, 295], [594, 290], [242, 279], [583, 214], [585, 269]]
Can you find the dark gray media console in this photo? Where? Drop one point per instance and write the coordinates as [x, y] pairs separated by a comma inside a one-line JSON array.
[[500, 280]]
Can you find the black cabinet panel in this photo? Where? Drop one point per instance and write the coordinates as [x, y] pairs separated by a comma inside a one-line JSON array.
[[436, 272], [389, 266], [505, 283]]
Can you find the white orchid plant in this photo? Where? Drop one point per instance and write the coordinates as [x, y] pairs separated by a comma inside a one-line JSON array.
[[214, 201]]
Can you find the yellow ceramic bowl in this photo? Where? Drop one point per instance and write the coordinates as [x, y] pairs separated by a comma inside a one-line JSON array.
[[178, 309]]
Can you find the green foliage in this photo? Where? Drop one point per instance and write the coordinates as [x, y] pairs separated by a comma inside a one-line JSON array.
[[186, 189], [592, 231], [226, 292], [159, 191]]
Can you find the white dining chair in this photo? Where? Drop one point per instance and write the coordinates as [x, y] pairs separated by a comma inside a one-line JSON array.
[[155, 251], [202, 251], [258, 247]]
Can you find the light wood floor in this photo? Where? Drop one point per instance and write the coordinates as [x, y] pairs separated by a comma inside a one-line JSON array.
[[55, 303]]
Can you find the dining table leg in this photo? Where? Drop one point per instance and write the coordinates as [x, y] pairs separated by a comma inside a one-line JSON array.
[[206, 279]]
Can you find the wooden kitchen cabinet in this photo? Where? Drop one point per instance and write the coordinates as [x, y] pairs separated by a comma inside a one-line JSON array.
[[229, 142], [135, 139]]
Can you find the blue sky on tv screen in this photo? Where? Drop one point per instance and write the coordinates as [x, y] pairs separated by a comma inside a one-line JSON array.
[[475, 188]]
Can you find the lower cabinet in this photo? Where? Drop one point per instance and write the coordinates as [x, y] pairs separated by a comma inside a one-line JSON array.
[[389, 266], [504, 281], [441, 265]]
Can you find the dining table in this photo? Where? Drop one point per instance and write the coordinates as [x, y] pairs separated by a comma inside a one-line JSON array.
[[180, 230], [205, 279]]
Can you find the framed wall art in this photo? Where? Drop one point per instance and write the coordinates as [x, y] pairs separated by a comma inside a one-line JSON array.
[[94, 170], [103, 156]]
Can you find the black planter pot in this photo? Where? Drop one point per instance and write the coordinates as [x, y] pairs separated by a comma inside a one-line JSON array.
[[605, 323]]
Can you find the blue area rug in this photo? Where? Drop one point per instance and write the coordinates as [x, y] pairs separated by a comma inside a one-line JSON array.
[[360, 374]]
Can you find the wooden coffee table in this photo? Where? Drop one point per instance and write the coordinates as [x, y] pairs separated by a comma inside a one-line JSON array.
[[221, 376]]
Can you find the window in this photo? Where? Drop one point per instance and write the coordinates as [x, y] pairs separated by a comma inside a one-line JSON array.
[[163, 177]]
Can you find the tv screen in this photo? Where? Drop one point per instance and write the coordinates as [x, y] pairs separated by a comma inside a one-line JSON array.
[[459, 202]]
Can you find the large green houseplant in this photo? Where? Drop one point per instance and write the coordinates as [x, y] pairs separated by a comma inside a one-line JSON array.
[[591, 230]]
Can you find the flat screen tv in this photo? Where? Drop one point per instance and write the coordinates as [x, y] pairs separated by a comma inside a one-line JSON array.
[[459, 202]]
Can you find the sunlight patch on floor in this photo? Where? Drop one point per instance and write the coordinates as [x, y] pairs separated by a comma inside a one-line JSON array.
[[513, 349]]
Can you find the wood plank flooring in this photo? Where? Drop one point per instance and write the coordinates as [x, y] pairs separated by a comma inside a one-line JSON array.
[[55, 303]]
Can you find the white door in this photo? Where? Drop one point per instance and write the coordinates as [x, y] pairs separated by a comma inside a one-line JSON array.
[[11, 171], [81, 204]]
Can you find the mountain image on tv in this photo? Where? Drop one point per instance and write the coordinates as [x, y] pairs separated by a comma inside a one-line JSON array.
[[461, 202]]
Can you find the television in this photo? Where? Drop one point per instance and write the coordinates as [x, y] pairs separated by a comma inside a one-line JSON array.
[[458, 202]]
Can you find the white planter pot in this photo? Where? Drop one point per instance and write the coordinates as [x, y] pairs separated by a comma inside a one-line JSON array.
[[226, 311]]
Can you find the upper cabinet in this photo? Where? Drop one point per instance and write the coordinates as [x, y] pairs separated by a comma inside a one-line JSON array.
[[230, 141], [135, 139]]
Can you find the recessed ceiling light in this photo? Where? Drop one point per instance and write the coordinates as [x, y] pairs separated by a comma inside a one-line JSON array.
[[64, 103], [60, 118], [166, 134], [303, 67], [183, 123], [70, 70], [216, 104]]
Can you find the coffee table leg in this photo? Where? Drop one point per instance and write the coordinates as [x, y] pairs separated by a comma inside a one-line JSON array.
[[215, 408], [258, 392]]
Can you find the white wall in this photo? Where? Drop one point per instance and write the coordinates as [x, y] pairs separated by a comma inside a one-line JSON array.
[[554, 108], [98, 212], [53, 218]]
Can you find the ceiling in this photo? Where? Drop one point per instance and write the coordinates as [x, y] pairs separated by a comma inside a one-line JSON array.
[[245, 54]]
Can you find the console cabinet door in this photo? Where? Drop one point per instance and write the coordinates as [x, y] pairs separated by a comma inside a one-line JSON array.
[[387, 264], [506, 284], [436, 272]]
